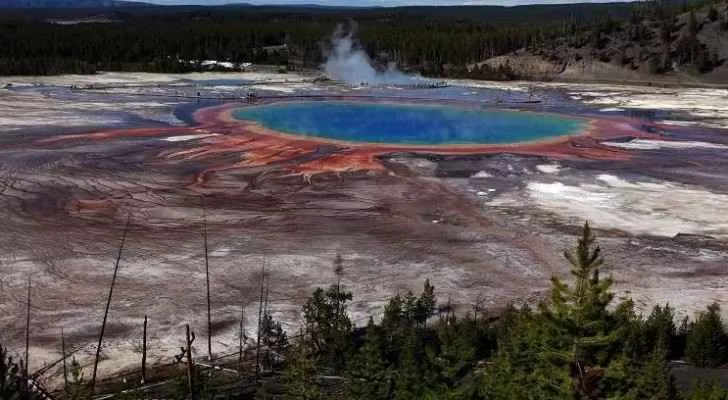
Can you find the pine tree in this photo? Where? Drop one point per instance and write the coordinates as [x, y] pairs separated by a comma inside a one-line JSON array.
[[300, 372], [393, 328], [665, 32], [368, 375], [455, 358], [692, 37], [520, 369], [580, 316], [425, 304], [330, 327], [273, 339], [654, 379], [504, 381], [410, 309], [707, 343], [408, 384], [632, 341], [660, 330], [681, 338]]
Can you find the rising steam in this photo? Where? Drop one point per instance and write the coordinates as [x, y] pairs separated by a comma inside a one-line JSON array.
[[347, 62]]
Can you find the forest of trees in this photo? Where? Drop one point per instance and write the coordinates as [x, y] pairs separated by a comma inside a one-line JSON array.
[[580, 343], [157, 42], [431, 40], [652, 39]]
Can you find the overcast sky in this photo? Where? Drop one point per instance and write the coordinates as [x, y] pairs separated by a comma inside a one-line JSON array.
[[382, 2]]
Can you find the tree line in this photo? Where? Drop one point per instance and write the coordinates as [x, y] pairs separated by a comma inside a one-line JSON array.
[[431, 40], [580, 343]]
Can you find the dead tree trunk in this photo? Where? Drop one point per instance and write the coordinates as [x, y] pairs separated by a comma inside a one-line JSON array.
[[264, 330], [25, 387], [476, 308], [144, 352], [65, 367], [108, 304], [190, 365], [207, 281], [241, 335], [260, 324]]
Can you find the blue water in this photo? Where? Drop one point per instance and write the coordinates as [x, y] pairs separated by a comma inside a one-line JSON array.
[[407, 123]]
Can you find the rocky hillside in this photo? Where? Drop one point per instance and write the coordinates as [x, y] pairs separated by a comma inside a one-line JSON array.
[[689, 46]]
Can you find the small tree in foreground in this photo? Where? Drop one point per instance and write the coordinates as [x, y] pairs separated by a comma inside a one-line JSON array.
[[77, 388], [578, 314], [570, 349]]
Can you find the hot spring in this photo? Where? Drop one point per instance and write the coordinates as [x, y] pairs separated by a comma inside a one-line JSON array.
[[407, 123]]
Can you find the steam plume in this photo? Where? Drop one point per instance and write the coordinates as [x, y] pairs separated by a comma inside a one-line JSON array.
[[347, 62]]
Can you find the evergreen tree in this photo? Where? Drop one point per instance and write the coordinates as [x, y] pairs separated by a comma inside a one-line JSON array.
[[410, 310], [681, 339], [654, 380], [707, 391], [394, 326], [520, 369], [692, 45], [455, 358], [300, 372], [660, 331], [425, 304], [330, 326], [409, 384], [580, 317], [707, 343], [575, 347], [632, 343], [368, 375], [273, 339], [666, 28]]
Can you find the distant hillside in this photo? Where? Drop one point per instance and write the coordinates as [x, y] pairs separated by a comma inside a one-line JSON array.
[[67, 3], [688, 45], [434, 41], [542, 13]]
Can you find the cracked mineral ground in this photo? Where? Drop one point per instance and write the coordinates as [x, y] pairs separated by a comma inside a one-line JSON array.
[[81, 155]]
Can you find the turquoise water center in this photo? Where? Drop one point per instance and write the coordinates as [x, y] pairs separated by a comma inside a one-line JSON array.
[[407, 123]]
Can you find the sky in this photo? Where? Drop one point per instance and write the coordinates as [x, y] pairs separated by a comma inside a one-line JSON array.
[[384, 3]]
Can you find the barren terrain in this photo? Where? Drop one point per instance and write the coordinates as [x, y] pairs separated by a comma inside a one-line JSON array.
[[487, 229]]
